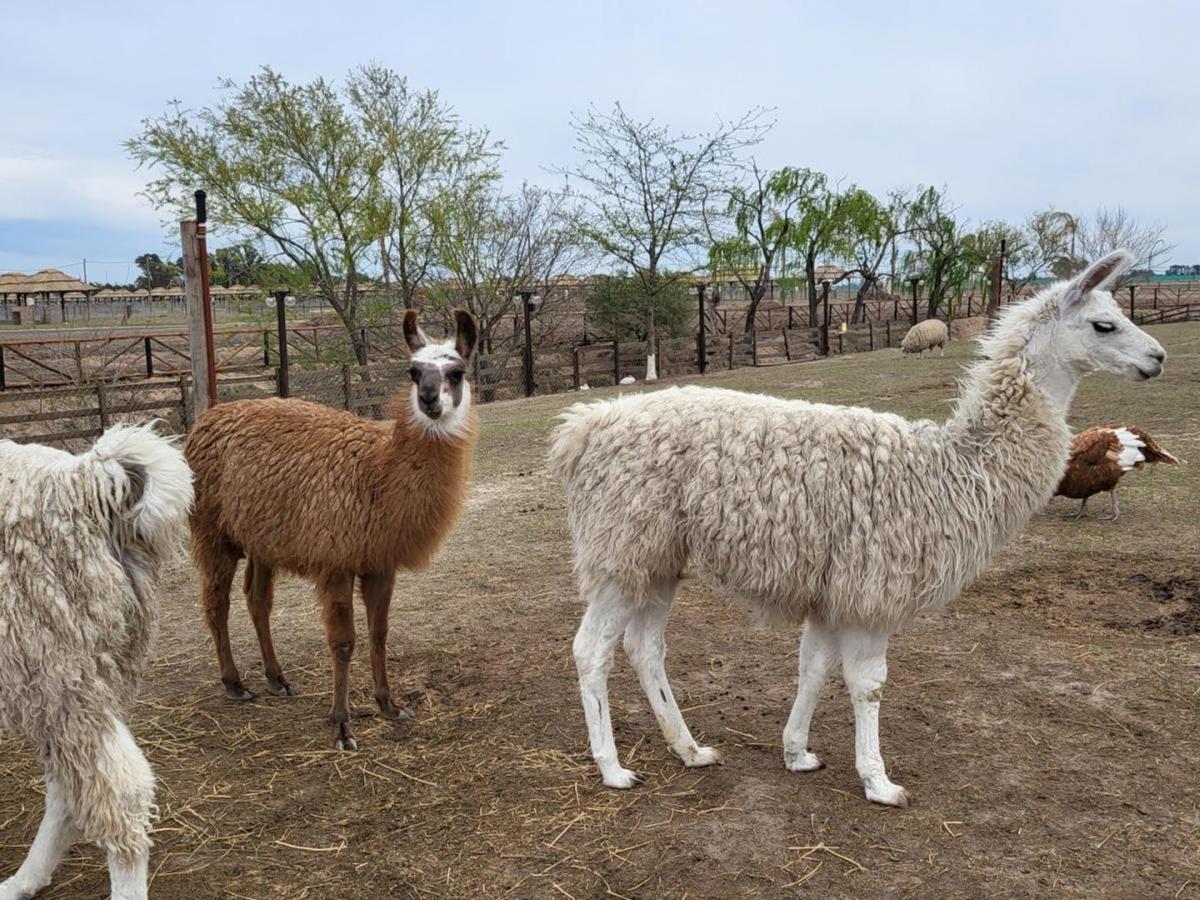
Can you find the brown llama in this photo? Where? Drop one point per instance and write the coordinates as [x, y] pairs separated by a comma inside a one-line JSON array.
[[308, 489]]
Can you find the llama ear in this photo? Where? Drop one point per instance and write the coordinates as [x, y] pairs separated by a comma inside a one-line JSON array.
[[1099, 275], [465, 333], [413, 335]]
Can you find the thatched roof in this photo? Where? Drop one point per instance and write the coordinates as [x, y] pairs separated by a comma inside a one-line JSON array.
[[47, 281]]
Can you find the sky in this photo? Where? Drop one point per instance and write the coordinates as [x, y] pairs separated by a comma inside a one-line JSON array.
[[1012, 106]]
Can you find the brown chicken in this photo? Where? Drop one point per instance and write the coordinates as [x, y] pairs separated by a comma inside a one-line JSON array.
[[1100, 456]]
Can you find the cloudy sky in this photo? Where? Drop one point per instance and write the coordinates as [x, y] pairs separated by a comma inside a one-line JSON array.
[[1014, 106]]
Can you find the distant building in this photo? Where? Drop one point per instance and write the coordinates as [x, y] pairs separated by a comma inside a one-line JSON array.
[[1183, 270]]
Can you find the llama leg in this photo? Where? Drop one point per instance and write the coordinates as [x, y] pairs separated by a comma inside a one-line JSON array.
[[110, 791], [607, 613], [377, 597], [260, 598], [337, 600], [818, 652], [216, 577], [54, 838], [646, 648], [864, 667]]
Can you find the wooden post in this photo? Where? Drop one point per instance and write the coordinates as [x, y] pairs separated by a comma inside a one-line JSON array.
[[701, 336], [871, 335], [102, 402], [149, 358], [282, 388], [184, 412], [197, 344], [840, 349], [658, 357], [731, 351], [1132, 289], [2, 385], [787, 351], [889, 334], [527, 355], [754, 348], [575, 367], [347, 388]]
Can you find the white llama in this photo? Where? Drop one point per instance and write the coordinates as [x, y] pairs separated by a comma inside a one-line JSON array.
[[82, 541], [851, 520]]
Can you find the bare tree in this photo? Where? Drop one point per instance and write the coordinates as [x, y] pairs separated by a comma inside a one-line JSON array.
[[427, 151], [646, 189], [1114, 228], [489, 246]]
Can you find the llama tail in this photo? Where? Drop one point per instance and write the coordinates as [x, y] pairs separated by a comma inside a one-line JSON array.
[[147, 484], [570, 439]]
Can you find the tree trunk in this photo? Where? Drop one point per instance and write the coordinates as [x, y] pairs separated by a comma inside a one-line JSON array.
[[810, 278], [651, 358], [860, 299], [757, 292]]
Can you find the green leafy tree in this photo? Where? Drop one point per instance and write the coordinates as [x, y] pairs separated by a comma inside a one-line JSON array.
[[758, 217], [940, 255], [819, 229], [869, 236], [287, 164], [616, 304], [156, 272], [427, 154], [645, 188]]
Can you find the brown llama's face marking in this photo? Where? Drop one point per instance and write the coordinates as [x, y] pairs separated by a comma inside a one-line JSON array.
[[440, 395]]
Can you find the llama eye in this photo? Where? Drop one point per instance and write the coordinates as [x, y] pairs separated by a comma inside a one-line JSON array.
[[455, 377], [1104, 327], [414, 374]]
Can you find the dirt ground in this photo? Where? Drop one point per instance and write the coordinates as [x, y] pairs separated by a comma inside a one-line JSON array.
[[1047, 726]]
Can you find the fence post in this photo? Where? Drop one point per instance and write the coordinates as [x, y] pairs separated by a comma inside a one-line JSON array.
[[701, 336], [659, 362], [282, 388], [889, 335], [527, 355], [2, 385], [347, 388], [149, 358], [1132, 288], [575, 367], [789, 309], [824, 332], [840, 349], [616, 362], [197, 343], [102, 402], [185, 418], [787, 351], [731, 351], [871, 335], [754, 348]]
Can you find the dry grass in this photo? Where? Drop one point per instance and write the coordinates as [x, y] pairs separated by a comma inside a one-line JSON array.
[[1050, 738]]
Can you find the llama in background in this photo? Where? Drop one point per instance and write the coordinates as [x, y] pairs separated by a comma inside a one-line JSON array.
[[82, 539], [304, 488], [850, 520]]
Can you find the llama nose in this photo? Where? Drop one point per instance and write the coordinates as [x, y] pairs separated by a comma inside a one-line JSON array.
[[1159, 356]]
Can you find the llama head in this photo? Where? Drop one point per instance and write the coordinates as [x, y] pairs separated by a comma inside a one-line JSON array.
[[1094, 335], [440, 394]]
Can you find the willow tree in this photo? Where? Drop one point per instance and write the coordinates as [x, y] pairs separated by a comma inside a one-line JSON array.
[[645, 187], [759, 214], [288, 164]]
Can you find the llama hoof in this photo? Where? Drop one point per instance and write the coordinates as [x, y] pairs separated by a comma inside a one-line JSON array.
[[397, 713], [802, 762], [621, 779], [280, 687], [699, 757], [888, 795], [342, 738], [12, 889], [235, 690], [347, 743]]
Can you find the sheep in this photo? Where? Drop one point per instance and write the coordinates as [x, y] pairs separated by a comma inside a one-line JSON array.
[[83, 539], [295, 486], [925, 336], [850, 520]]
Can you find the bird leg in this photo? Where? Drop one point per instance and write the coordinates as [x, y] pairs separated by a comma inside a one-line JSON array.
[[1079, 513], [1114, 508]]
